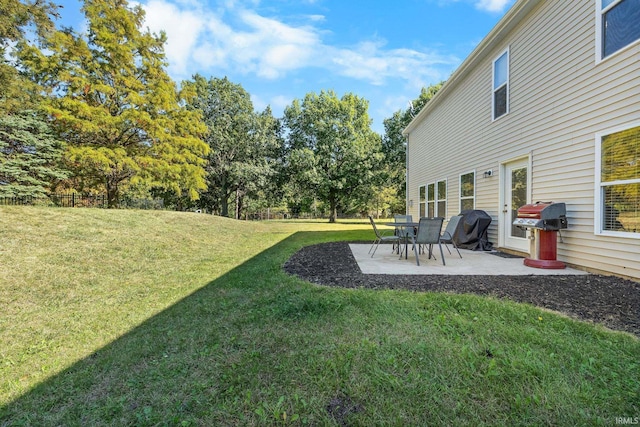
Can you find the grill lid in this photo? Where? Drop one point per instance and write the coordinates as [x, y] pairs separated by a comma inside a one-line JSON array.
[[533, 210], [542, 215]]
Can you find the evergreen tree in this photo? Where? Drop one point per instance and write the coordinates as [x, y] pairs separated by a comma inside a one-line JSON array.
[[29, 156]]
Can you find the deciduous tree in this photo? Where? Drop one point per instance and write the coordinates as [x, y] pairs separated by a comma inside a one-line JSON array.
[[244, 144], [334, 152], [116, 107], [16, 17], [394, 145], [260, 176]]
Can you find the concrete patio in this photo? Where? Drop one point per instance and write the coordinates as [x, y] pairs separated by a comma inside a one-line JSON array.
[[472, 263]]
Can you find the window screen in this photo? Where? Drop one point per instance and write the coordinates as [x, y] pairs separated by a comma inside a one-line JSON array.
[[620, 181], [442, 199], [467, 191], [431, 198]]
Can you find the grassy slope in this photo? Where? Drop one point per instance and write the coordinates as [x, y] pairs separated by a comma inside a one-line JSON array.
[[146, 318]]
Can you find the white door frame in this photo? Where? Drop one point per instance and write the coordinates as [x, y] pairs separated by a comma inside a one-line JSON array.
[[504, 221]]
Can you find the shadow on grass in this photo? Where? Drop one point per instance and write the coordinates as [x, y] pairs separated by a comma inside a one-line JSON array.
[[259, 347], [200, 361]]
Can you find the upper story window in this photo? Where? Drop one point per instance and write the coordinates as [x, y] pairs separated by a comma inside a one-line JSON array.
[[501, 85], [617, 25], [467, 191], [618, 182]]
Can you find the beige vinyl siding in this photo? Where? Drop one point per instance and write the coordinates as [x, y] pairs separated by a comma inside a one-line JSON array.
[[559, 99]]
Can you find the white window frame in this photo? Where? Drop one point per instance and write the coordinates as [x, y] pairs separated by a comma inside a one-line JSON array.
[[422, 203], [460, 196], [597, 208], [507, 84], [435, 196], [600, 11], [436, 211]]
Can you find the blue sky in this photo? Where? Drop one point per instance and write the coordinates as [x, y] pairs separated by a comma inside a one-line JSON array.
[[280, 50]]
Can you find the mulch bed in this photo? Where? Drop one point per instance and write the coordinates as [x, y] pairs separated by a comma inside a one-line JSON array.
[[608, 300]]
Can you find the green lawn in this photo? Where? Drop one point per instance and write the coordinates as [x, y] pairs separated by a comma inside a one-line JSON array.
[[165, 318]]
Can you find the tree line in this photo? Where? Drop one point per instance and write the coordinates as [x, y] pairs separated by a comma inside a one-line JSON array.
[[96, 112]]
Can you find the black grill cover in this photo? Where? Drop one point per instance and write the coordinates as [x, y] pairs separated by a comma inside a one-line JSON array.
[[472, 231]]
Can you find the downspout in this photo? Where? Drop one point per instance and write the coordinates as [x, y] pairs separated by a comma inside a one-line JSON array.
[[406, 176]]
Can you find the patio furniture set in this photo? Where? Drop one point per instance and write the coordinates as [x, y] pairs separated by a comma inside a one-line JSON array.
[[422, 235]]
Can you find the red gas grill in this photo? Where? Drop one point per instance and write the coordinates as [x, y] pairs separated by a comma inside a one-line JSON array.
[[544, 219]]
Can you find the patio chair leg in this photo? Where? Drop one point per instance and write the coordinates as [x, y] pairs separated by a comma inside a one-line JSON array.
[[416, 249], [401, 249], [441, 253], [374, 242], [376, 248], [459, 254]]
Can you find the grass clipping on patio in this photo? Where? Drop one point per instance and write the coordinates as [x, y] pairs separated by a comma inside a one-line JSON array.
[[146, 318]]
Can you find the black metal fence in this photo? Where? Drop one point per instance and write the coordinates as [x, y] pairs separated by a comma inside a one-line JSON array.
[[62, 200]]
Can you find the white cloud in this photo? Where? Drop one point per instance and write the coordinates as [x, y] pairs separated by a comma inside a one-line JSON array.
[[280, 102], [259, 104], [493, 5], [277, 103], [371, 62], [232, 38], [276, 47], [316, 18], [391, 104], [182, 28]]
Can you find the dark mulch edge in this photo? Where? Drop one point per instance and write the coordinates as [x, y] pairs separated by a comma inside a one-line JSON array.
[[608, 300]]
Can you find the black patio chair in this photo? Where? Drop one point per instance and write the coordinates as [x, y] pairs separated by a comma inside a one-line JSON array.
[[381, 237], [428, 234], [449, 231]]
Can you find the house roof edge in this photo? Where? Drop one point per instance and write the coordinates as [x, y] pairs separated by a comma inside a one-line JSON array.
[[513, 16]]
